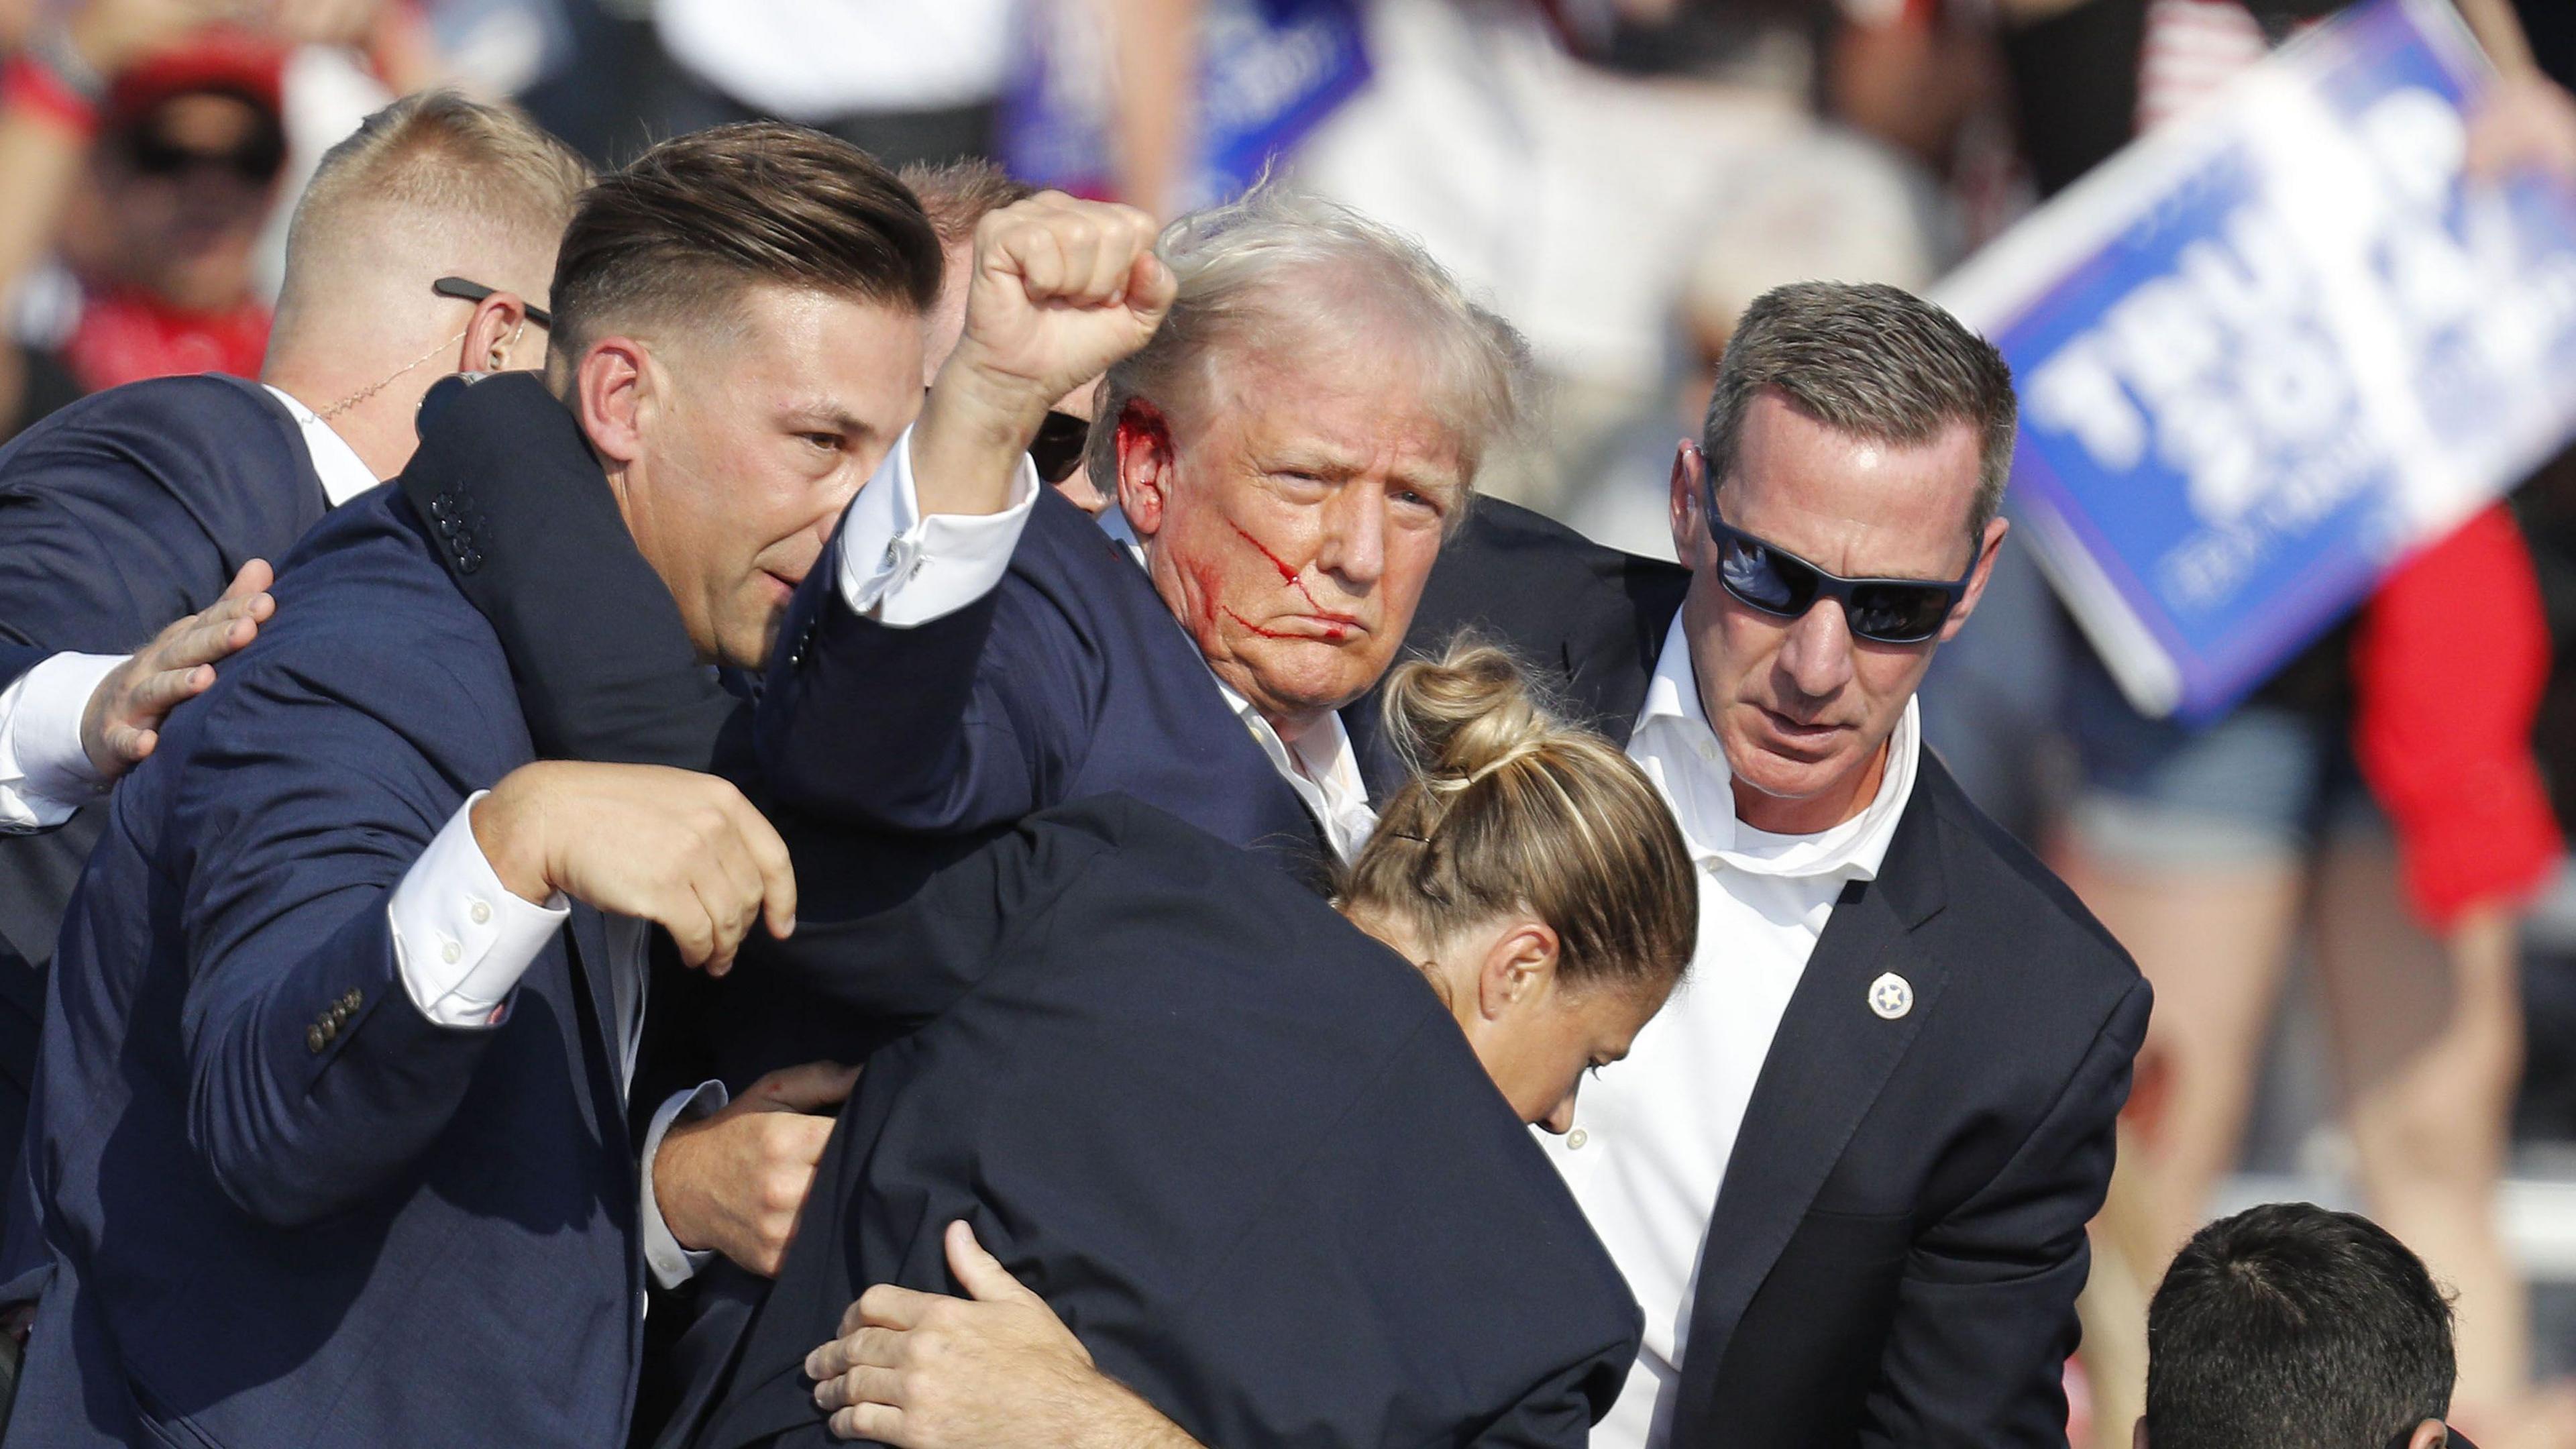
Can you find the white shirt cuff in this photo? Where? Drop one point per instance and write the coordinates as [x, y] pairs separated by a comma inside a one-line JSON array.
[[45, 775], [904, 570], [672, 1264], [461, 939]]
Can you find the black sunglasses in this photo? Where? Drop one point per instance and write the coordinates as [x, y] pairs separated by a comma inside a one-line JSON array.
[[465, 291], [1762, 575], [256, 161]]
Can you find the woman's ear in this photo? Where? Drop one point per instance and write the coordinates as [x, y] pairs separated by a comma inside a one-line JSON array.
[[1519, 967]]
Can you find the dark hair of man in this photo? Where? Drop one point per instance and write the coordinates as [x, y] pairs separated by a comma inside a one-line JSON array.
[[2291, 1327], [678, 233], [1873, 362], [959, 194]]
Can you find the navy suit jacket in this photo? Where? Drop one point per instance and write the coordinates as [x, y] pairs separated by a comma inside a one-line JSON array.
[[282, 1206], [1070, 679], [118, 514], [1895, 1254], [1240, 1147]]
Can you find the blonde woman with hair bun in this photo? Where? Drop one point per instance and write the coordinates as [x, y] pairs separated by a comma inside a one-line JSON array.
[[1172, 1149]]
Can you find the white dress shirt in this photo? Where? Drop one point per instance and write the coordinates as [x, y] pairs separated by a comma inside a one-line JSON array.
[[1653, 1133], [905, 570], [461, 940]]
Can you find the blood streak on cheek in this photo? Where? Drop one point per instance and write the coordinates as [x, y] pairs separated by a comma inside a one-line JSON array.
[[1255, 628], [1337, 627], [1287, 571]]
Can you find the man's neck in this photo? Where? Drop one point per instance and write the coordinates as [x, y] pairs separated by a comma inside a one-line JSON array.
[[377, 427], [1813, 814]]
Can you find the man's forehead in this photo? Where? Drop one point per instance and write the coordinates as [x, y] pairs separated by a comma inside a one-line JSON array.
[[1359, 420], [1864, 505]]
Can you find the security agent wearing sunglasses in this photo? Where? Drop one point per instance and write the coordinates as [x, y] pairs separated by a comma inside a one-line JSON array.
[[1847, 1173]]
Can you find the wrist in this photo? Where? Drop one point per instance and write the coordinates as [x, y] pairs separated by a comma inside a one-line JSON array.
[[967, 447], [501, 833]]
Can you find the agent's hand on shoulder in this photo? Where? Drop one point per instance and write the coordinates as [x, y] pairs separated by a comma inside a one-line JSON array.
[[674, 847], [998, 1370], [122, 722]]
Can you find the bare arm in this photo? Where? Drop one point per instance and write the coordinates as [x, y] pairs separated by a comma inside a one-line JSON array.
[[1156, 43]]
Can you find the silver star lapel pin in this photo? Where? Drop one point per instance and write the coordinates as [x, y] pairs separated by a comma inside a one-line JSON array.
[[1891, 996]]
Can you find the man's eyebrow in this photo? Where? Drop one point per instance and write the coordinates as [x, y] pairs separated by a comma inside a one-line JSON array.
[[830, 417]]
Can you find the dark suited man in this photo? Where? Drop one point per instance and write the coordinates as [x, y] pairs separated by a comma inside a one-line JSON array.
[[1847, 1174], [165, 498], [348, 1084], [1289, 450]]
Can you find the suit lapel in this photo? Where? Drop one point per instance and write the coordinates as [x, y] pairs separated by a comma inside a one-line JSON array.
[[1827, 1064]]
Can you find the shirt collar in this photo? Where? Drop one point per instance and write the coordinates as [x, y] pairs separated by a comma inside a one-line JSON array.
[[1676, 747], [1322, 767], [343, 473]]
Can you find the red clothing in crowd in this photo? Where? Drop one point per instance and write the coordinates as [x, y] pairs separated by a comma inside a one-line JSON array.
[[126, 336]]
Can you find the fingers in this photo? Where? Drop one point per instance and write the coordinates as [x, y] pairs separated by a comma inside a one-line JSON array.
[[978, 1272], [131, 746], [879, 1422], [254, 578], [1151, 286], [889, 1306], [858, 1346], [777, 870], [806, 1088], [1074, 253], [860, 1385]]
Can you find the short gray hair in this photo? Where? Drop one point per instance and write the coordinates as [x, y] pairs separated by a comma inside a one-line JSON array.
[[1240, 267], [1874, 362]]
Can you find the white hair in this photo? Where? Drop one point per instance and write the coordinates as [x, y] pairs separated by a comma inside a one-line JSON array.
[[1277, 266]]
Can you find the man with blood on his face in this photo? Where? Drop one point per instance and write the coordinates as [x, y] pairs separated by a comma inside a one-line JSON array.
[[1286, 455]]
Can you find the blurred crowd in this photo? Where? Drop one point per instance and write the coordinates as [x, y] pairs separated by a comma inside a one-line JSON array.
[[1620, 178]]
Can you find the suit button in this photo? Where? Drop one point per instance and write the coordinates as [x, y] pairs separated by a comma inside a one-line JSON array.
[[314, 1040], [469, 559], [353, 1000], [438, 506]]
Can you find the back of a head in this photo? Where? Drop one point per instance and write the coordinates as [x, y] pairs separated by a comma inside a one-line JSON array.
[[434, 184], [2291, 1327], [1510, 809], [676, 235], [1870, 361], [1277, 271], [958, 195]]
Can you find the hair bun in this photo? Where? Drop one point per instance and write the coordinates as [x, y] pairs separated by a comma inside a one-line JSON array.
[[1459, 718]]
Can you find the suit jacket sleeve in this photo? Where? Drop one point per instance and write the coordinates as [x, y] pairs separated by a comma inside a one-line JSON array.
[[1992, 1286], [138, 507], [907, 964], [962, 724], [304, 804], [17, 659]]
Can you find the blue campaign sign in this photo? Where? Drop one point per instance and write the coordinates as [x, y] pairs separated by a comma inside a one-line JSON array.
[[2266, 352], [1268, 72]]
